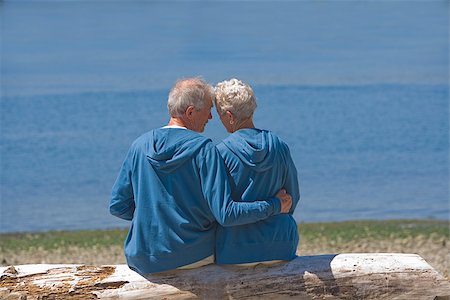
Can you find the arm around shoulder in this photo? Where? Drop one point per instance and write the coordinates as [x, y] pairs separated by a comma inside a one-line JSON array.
[[217, 192]]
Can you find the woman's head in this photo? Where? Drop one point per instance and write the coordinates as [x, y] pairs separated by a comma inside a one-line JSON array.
[[235, 102]]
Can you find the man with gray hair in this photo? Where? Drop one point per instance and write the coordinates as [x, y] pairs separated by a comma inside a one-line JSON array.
[[174, 189]]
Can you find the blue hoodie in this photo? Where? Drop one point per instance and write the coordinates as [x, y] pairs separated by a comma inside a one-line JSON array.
[[259, 164], [173, 187]]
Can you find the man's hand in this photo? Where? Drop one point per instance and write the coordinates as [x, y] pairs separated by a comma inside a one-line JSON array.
[[285, 199]]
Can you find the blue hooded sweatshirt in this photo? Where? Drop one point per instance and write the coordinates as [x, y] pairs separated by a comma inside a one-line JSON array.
[[259, 164], [173, 187]]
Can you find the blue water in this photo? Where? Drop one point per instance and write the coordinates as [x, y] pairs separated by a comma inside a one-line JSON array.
[[359, 91]]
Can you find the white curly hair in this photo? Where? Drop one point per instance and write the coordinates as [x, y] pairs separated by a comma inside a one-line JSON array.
[[236, 97]]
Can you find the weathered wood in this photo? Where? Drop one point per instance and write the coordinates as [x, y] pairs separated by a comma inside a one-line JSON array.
[[342, 276]]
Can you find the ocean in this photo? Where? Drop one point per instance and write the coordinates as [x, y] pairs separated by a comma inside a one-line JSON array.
[[358, 90]]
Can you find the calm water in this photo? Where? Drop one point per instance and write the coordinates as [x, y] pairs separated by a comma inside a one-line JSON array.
[[359, 91], [362, 152]]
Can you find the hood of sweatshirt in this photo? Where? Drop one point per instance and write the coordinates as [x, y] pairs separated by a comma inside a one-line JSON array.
[[254, 147], [169, 148]]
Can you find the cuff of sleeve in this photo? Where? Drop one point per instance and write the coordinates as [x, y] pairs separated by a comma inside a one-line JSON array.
[[276, 205], [126, 213]]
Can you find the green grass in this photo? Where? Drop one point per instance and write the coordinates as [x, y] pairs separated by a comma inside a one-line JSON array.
[[375, 230], [337, 231], [60, 239]]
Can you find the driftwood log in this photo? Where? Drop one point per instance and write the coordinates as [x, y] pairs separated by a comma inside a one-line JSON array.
[[340, 276]]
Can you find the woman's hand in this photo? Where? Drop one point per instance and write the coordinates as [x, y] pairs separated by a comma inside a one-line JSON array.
[[285, 199]]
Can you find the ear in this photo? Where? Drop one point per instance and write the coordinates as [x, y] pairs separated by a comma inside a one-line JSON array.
[[189, 111], [230, 117]]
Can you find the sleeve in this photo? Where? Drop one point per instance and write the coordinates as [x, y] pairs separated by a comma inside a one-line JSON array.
[[122, 203], [291, 180], [217, 192]]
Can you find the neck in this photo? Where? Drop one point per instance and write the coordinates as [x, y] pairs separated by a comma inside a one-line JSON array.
[[177, 122], [248, 123]]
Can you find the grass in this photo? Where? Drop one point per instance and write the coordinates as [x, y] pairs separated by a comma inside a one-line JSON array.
[[376, 230], [60, 239], [340, 232]]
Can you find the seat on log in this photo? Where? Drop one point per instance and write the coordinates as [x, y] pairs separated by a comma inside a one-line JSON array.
[[335, 276]]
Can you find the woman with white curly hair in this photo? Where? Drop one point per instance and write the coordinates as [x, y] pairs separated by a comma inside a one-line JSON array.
[[259, 164]]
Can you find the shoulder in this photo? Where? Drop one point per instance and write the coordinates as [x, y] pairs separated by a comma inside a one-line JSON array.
[[208, 148], [231, 140], [228, 145], [222, 147], [278, 141], [142, 138], [141, 142]]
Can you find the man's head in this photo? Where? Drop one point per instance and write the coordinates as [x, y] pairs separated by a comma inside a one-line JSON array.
[[190, 100]]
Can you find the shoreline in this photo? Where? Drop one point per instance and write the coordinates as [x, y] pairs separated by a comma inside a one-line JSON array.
[[107, 229], [428, 238]]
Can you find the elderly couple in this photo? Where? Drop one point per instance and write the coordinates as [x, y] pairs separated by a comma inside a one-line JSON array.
[[193, 203]]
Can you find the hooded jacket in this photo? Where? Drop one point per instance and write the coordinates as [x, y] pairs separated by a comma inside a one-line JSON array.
[[173, 188], [259, 164]]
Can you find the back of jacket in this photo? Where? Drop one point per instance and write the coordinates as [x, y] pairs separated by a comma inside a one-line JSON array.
[[259, 165], [167, 187]]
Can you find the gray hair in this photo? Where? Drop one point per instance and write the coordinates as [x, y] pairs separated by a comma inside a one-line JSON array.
[[187, 92], [236, 97]]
